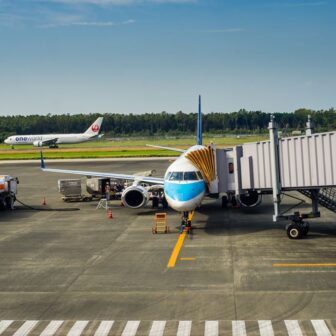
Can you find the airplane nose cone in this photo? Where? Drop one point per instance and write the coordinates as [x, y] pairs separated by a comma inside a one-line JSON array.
[[6, 141], [184, 196]]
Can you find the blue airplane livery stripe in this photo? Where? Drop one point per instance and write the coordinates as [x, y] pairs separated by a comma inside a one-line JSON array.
[[184, 191]]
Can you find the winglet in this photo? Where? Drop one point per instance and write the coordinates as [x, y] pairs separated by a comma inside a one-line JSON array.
[[199, 122], [42, 164]]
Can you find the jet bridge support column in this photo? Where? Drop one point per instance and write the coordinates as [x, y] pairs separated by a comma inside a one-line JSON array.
[[275, 166]]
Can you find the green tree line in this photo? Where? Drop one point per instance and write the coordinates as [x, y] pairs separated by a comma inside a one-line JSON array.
[[164, 123]]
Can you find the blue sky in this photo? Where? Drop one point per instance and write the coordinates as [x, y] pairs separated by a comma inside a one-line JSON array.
[[136, 56]]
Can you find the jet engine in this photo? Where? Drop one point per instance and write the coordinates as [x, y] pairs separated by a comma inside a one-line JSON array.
[[251, 199], [135, 196], [38, 143]]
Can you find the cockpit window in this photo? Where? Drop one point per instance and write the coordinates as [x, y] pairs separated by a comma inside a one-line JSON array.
[[176, 176], [190, 176], [168, 175], [200, 177]]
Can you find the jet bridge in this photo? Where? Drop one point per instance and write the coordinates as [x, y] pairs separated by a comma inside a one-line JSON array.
[[305, 163]]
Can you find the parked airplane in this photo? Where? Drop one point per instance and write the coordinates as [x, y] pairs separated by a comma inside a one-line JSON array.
[[53, 140], [185, 183]]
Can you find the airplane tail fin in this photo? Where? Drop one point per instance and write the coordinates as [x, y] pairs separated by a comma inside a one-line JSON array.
[[199, 122], [94, 129]]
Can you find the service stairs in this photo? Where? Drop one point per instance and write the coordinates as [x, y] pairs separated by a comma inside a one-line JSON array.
[[326, 197]]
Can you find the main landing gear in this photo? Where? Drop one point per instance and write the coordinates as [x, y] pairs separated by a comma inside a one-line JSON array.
[[186, 221]]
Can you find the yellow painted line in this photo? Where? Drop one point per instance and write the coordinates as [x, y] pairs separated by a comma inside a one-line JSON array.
[[177, 249], [305, 265], [187, 259]]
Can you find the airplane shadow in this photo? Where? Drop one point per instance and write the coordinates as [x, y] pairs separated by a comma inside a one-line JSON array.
[[241, 221]]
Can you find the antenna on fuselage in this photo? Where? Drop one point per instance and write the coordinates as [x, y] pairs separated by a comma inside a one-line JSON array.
[[199, 122]]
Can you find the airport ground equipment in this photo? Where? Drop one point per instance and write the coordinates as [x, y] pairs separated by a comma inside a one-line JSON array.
[[71, 189], [95, 186], [102, 204], [160, 223], [8, 191]]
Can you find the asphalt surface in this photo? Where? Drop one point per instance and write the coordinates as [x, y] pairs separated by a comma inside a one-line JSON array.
[[79, 265]]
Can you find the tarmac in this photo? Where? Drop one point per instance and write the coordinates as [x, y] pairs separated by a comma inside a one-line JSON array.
[[68, 269]]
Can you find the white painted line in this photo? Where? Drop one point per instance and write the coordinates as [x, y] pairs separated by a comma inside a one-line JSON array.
[[184, 328], [130, 328], [157, 328], [104, 328], [4, 324], [26, 328], [51, 328], [265, 328], [293, 328], [238, 328], [211, 328], [77, 328], [321, 328]]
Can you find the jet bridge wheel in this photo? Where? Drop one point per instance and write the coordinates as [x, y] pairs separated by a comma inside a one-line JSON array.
[[294, 231], [297, 229]]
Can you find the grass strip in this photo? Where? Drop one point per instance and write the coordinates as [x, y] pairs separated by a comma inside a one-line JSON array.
[[87, 154]]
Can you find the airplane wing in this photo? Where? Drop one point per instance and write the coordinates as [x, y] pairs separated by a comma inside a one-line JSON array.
[[49, 142], [168, 148], [146, 179]]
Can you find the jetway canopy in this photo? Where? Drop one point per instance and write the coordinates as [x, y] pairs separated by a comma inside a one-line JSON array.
[[305, 162]]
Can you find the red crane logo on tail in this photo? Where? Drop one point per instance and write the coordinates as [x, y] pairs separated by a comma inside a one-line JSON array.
[[95, 128]]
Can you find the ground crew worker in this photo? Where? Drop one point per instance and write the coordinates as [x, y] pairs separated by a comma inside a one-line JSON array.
[[107, 191]]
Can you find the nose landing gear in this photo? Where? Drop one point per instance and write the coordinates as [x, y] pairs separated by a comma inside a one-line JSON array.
[[186, 221]]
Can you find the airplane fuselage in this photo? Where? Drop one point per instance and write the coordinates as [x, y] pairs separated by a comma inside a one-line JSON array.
[[184, 186], [61, 138]]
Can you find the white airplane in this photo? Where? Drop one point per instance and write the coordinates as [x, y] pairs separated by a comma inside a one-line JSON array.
[[184, 185], [53, 140]]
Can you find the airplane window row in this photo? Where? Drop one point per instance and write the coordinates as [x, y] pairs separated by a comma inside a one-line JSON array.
[[184, 176]]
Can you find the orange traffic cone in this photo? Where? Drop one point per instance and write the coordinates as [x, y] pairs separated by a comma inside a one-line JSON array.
[[44, 201], [110, 214]]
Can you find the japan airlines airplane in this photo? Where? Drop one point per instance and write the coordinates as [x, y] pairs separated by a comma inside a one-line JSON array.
[[53, 140], [184, 184]]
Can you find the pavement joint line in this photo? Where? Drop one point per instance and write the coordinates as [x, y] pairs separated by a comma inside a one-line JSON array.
[[305, 265], [176, 250]]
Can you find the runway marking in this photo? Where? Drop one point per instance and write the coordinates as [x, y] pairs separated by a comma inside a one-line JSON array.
[[4, 324], [211, 328], [157, 328], [77, 328], [130, 328], [305, 265], [188, 259], [177, 249], [104, 328], [238, 328], [26, 328], [293, 328], [265, 328], [184, 328], [321, 328], [51, 328]]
